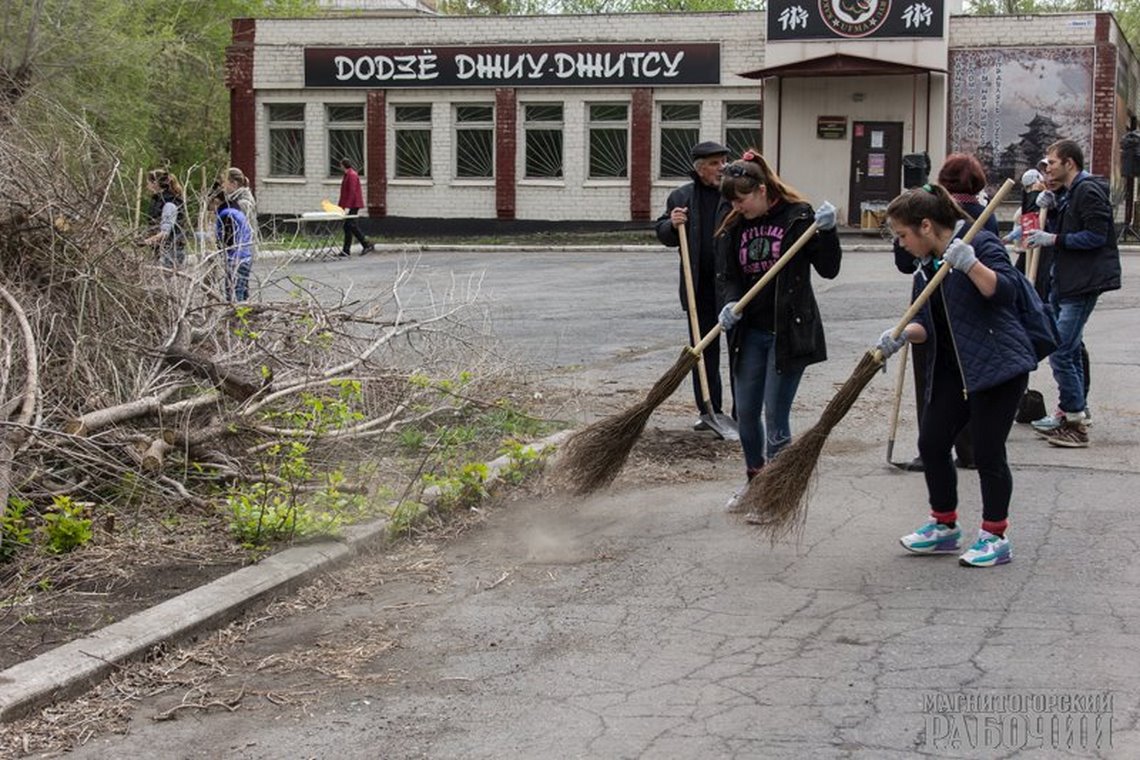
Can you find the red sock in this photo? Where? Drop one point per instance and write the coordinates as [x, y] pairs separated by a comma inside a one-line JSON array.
[[997, 527], [945, 518]]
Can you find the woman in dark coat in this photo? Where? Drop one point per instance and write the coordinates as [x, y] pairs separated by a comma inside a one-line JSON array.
[[779, 332], [977, 365]]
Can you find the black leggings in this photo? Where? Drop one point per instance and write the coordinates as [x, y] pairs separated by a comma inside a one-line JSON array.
[[962, 444], [989, 415], [351, 230]]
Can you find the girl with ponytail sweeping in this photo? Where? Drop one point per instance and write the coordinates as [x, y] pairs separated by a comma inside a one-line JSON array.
[[779, 332]]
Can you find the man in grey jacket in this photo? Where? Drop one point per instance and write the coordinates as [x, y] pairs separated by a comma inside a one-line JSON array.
[[695, 205]]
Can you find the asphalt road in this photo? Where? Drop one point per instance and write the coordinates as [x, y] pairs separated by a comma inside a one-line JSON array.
[[643, 622]]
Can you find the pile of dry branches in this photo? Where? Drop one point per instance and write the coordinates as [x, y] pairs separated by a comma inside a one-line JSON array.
[[117, 374]]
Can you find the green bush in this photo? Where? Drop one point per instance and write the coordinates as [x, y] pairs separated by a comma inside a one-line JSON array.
[[65, 528]]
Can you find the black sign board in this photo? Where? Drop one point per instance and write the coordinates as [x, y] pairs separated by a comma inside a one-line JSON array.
[[853, 19], [515, 66], [831, 127]]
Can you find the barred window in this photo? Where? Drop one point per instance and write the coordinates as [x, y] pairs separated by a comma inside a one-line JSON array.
[[286, 139], [609, 140], [742, 122], [680, 131], [542, 127], [474, 141], [346, 137], [413, 141]]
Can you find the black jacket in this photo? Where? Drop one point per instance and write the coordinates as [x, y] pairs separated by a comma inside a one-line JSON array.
[[1081, 269], [798, 326], [683, 197]]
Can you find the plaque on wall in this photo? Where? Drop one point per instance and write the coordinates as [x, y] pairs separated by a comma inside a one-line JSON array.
[[831, 127]]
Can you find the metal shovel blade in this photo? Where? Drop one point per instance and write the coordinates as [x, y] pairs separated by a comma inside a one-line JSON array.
[[723, 425], [890, 460]]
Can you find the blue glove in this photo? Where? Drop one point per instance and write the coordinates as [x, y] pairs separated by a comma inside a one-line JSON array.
[[1041, 238], [960, 255], [728, 318], [1046, 199], [1013, 236], [825, 216], [888, 345]]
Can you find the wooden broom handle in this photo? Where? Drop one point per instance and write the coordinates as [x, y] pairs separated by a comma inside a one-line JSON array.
[[1033, 255], [785, 257], [694, 323], [944, 270]]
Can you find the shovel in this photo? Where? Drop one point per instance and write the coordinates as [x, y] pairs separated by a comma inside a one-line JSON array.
[[895, 411], [721, 424]]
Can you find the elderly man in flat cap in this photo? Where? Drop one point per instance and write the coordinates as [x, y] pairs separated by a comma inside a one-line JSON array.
[[694, 205]]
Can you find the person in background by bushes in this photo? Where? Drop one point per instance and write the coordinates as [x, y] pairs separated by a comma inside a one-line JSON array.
[[235, 237], [168, 215], [978, 365], [352, 200], [236, 186]]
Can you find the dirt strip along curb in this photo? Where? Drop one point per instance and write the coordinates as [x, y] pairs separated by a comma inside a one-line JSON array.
[[73, 668]]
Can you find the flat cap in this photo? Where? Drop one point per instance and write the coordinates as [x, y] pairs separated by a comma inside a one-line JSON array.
[[708, 148]]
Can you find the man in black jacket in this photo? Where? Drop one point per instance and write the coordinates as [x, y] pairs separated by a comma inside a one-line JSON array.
[[1086, 263], [695, 205]]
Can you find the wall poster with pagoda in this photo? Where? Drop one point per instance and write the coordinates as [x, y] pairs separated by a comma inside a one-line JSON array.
[[1008, 105]]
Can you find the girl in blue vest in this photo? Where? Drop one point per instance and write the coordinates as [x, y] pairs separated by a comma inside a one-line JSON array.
[[978, 361], [235, 238]]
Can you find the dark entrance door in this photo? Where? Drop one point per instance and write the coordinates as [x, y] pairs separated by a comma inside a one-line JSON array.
[[876, 168]]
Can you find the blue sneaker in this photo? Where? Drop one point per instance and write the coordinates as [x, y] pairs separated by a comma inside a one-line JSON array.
[[987, 551], [932, 538], [1048, 423]]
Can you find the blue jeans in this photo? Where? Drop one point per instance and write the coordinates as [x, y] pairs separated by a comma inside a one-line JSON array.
[[237, 279], [1071, 315], [761, 389]]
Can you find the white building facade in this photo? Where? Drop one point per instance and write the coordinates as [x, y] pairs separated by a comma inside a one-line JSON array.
[[545, 120]]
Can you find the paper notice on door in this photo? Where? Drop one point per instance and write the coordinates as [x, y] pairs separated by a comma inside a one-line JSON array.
[[876, 164], [876, 138]]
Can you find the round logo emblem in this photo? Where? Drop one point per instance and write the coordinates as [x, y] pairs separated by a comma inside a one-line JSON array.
[[854, 18]]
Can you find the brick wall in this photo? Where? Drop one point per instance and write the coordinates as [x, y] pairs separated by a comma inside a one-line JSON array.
[[506, 152], [243, 103], [1061, 29], [640, 155], [376, 148]]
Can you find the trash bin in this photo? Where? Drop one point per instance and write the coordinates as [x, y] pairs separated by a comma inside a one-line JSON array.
[[916, 169], [1130, 154]]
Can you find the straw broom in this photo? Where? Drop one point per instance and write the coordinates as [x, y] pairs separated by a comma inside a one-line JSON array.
[[593, 457], [775, 499]]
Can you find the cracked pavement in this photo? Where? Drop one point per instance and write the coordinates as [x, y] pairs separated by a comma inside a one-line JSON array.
[[644, 622]]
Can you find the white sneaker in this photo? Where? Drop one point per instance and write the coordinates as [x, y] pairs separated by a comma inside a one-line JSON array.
[[732, 506]]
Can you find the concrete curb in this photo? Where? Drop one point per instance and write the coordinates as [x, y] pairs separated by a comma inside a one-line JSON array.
[[75, 667]]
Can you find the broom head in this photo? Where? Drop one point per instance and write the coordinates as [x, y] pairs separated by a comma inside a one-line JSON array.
[[776, 499], [594, 456]]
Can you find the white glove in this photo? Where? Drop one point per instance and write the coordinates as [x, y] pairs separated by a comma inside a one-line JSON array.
[[888, 344], [728, 318], [1046, 199], [1041, 238], [960, 255], [825, 216]]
